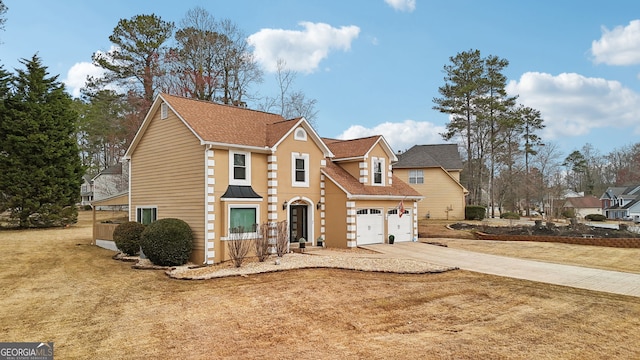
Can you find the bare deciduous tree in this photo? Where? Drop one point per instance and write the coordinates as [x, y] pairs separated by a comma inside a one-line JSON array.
[[262, 242], [282, 238], [289, 103], [238, 245]]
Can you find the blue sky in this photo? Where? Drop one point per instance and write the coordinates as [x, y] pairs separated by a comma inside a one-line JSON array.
[[374, 66]]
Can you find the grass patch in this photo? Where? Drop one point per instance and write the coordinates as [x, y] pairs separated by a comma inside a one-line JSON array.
[[57, 287]]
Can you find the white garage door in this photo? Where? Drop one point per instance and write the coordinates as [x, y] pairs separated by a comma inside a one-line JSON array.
[[369, 225], [398, 226]]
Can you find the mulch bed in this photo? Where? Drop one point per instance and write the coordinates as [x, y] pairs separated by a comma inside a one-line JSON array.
[[577, 230]]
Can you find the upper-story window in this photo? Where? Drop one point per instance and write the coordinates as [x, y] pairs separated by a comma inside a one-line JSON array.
[[164, 111], [300, 134], [300, 170], [416, 177], [378, 171], [239, 168]]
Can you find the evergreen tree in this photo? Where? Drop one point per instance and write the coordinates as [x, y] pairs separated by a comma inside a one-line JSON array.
[[41, 170], [464, 84]]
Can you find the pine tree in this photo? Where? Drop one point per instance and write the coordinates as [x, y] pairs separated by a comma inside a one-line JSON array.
[[41, 170]]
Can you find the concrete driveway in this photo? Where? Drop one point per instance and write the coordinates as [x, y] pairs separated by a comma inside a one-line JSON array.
[[574, 276]]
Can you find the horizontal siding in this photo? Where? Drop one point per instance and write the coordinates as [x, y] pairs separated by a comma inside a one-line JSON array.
[[167, 171], [440, 192]]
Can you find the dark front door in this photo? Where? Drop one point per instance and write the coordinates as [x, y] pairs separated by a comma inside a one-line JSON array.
[[298, 218]]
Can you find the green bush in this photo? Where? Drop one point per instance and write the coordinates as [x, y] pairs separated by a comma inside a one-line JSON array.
[[510, 215], [595, 217], [127, 237], [167, 242], [474, 212], [569, 213]]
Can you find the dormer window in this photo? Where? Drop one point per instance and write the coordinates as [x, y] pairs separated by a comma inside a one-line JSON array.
[[300, 134], [239, 168], [378, 171]]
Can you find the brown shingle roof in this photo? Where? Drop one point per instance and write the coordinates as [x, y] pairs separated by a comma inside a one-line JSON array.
[[342, 178], [224, 123], [277, 130], [584, 202], [351, 148]]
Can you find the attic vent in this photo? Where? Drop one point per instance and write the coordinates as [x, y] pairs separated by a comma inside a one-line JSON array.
[[300, 134], [164, 111]]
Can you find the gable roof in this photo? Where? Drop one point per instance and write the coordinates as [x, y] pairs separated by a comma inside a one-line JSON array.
[[111, 170], [621, 192], [584, 202], [357, 148], [226, 125], [424, 156], [354, 189]]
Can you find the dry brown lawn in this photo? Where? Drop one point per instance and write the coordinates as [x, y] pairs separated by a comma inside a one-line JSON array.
[[57, 287]]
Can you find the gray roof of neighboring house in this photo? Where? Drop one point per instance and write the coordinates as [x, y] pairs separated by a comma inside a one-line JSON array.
[[438, 155], [623, 192]]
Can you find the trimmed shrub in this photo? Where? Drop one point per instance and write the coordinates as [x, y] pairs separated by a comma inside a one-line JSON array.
[[569, 213], [167, 242], [510, 215], [127, 237], [595, 217], [474, 212]]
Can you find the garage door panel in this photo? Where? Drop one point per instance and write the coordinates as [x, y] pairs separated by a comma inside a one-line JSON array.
[[369, 225], [400, 227]]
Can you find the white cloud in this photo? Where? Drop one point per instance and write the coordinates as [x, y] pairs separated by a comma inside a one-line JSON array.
[[302, 50], [401, 136], [402, 5], [77, 76], [620, 46], [574, 105]]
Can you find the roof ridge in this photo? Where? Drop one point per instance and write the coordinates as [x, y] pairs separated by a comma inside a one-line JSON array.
[[209, 102]]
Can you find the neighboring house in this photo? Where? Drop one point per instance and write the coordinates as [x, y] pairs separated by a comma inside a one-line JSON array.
[[219, 167], [109, 182], [583, 206], [86, 190], [434, 171], [621, 202]]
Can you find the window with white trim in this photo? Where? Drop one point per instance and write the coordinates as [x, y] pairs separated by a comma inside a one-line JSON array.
[[244, 217], [300, 134], [378, 171], [239, 168], [146, 214], [416, 177], [164, 111], [300, 170]]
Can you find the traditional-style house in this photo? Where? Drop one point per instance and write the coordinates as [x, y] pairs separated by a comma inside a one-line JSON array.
[[219, 167], [434, 171], [583, 206], [619, 202], [110, 181], [86, 190]]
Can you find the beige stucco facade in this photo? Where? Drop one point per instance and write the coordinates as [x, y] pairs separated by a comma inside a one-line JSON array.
[[181, 169]]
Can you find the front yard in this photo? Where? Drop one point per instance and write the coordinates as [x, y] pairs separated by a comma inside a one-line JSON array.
[[57, 287]]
